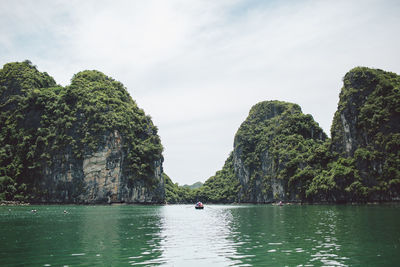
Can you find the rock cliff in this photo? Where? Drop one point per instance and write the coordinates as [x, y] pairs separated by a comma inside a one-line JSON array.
[[101, 177], [84, 143], [366, 131], [270, 147]]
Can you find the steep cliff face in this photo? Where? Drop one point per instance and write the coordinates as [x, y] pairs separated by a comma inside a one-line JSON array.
[[271, 147], [366, 131], [84, 143], [101, 177]]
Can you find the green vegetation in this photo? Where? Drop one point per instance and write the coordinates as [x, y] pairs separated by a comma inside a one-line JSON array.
[[174, 193], [40, 121]]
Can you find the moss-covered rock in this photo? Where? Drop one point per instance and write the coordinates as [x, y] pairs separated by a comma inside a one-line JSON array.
[[87, 142]]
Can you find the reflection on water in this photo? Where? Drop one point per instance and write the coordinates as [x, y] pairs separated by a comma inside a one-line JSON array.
[[326, 247], [179, 235], [197, 237]]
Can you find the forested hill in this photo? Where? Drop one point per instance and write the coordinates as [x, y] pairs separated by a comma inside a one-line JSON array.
[[87, 142], [280, 153]]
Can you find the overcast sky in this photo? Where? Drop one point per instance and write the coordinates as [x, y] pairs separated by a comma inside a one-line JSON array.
[[197, 67]]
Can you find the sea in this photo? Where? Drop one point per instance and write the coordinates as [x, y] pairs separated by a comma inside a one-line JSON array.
[[218, 235]]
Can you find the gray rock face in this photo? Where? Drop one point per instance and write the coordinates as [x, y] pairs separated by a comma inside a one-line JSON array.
[[101, 177], [346, 135], [264, 188]]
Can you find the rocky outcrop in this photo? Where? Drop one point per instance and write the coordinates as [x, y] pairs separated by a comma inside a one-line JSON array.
[[84, 143], [270, 146]]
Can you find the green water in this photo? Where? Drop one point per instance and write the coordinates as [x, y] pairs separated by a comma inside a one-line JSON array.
[[179, 235]]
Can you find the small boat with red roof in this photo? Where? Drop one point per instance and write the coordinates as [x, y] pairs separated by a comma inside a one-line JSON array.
[[199, 206]]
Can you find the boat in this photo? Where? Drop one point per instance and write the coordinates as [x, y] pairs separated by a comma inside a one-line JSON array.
[[199, 206]]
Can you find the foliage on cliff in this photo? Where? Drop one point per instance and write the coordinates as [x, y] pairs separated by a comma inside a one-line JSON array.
[[40, 120]]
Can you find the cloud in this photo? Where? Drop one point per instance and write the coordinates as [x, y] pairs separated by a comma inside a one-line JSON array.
[[197, 67]]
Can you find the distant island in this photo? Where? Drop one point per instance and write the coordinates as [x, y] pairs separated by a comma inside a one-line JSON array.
[[89, 142]]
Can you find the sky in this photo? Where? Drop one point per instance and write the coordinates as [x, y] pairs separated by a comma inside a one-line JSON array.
[[198, 66]]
